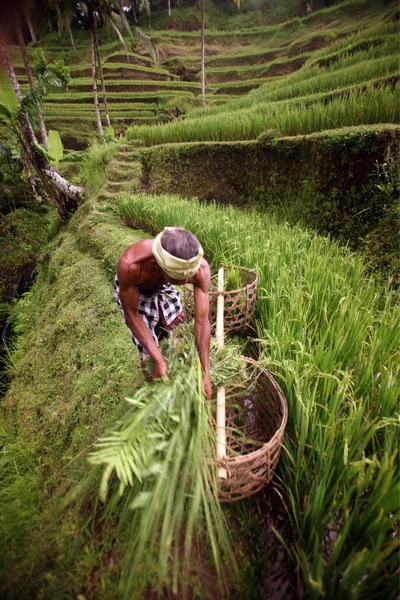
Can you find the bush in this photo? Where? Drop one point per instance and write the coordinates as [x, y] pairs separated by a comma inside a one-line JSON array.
[[61, 71], [40, 63]]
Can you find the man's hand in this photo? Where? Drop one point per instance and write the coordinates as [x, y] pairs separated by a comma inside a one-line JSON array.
[[160, 370], [207, 387]]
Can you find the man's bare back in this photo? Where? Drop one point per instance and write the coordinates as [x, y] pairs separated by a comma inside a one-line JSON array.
[[138, 268]]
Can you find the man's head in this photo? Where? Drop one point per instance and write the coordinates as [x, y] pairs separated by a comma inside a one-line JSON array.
[[178, 252]]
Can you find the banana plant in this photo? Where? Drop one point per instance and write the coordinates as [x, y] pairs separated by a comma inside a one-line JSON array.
[[19, 113]]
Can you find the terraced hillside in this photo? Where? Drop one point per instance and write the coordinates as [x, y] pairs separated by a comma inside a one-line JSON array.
[[327, 62], [301, 133]]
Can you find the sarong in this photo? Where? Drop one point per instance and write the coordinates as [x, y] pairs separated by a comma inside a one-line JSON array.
[[160, 308]]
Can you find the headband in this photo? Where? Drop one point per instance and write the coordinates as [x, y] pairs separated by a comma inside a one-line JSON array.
[[176, 268]]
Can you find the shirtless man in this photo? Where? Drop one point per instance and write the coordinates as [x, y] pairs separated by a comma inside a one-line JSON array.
[[150, 304]]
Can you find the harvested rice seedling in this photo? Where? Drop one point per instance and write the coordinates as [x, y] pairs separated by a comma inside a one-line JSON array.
[[162, 452], [233, 280]]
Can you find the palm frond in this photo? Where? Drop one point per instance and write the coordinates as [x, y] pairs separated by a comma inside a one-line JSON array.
[[148, 45], [110, 21], [161, 454]]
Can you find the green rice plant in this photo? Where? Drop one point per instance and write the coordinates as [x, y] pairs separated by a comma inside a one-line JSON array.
[[220, 74], [162, 453], [358, 107], [309, 81], [118, 57], [85, 84], [331, 338], [352, 56], [110, 66], [365, 36], [118, 96], [232, 278]]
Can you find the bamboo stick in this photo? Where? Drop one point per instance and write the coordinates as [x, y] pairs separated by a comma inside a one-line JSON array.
[[221, 432]]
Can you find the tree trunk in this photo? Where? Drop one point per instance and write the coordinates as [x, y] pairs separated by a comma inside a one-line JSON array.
[[21, 42], [169, 8], [71, 37], [59, 24], [203, 73], [71, 191], [134, 11], [93, 39], [103, 87], [30, 26]]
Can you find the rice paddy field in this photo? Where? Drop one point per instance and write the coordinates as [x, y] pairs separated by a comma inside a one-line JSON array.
[[347, 53], [108, 488]]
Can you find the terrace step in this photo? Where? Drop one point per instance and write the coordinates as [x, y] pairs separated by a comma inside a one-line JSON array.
[[116, 187], [124, 176]]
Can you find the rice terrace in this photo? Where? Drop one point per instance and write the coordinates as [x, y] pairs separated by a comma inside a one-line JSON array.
[[225, 174]]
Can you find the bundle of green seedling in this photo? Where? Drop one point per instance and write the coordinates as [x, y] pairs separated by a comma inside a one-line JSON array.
[[160, 471]]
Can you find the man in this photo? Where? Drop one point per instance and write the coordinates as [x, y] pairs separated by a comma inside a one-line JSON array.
[[150, 304]]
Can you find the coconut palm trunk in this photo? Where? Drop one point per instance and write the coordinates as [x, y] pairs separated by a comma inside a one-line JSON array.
[[203, 73], [21, 42], [103, 87], [93, 40], [30, 26], [71, 36], [134, 11]]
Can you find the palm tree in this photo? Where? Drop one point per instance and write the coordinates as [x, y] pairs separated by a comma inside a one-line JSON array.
[[133, 5], [93, 38], [27, 8], [65, 12], [203, 73], [103, 11]]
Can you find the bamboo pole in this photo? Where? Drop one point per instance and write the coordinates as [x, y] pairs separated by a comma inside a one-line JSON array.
[[221, 431]]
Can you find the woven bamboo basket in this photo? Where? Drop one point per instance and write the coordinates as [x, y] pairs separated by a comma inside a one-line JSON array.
[[239, 304], [255, 422]]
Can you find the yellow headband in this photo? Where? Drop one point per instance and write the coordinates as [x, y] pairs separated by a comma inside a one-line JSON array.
[[175, 267]]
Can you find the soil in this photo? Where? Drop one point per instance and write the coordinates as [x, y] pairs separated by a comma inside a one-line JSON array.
[[280, 576]]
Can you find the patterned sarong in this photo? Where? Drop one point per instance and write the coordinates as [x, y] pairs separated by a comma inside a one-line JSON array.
[[161, 309]]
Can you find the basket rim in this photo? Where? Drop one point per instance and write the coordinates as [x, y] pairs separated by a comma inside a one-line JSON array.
[[278, 433], [254, 282]]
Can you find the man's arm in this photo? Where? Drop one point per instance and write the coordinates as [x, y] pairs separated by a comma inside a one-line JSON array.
[[129, 296], [202, 325]]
